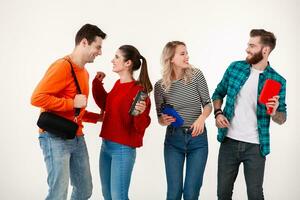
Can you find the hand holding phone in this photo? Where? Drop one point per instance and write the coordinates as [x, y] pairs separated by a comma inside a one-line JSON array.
[[140, 96]]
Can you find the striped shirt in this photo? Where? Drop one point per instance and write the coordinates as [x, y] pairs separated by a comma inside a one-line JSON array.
[[187, 99], [233, 80]]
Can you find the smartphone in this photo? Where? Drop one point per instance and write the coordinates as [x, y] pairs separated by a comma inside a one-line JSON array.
[[140, 96]]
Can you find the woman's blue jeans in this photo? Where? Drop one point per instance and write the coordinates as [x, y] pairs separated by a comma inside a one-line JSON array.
[[179, 147], [116, 165]]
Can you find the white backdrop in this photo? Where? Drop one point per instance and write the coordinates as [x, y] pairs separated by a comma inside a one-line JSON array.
[[34, 33]]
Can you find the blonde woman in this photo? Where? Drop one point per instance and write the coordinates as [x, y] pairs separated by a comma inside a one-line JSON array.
[[183, 87]]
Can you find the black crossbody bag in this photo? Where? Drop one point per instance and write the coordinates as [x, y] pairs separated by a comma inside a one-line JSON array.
[[57, 125]]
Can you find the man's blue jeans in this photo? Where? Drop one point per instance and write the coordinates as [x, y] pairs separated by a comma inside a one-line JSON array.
[[181, 146], [66, 159], [116, 165], [231, 154]]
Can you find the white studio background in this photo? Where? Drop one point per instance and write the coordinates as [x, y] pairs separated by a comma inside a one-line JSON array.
[[34, 33]]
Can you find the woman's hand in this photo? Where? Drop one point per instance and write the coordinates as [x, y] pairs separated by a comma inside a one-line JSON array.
[[101, 116], [100, 76], [140, 106], [198, 126], [166, 120]]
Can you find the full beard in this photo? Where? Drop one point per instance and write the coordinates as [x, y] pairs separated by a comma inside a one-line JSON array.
[[256, 58]]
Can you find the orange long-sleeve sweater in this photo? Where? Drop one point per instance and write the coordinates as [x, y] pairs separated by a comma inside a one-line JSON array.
[[57, 89]]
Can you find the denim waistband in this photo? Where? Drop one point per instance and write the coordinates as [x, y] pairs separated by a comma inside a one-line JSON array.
[[228, 139], [185, 129]]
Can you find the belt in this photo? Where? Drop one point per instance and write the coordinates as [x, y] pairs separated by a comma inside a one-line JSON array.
[[185, 129]]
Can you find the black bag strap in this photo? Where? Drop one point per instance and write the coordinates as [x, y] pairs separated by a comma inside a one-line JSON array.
[[77, 110]]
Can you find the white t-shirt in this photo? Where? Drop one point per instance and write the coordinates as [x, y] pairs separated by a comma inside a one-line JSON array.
[[243, 126]]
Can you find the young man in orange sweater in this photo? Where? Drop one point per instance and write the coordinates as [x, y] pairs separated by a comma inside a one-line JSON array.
[[57, 93]]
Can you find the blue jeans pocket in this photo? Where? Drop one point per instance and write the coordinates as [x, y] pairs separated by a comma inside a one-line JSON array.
[[43, 135], [43, 139]]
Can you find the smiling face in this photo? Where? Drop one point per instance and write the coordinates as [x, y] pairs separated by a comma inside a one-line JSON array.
[[181, 57], [255, 51], [119, 63], [92, 50]]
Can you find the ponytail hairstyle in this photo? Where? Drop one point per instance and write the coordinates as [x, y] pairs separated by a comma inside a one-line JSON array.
[[129, 52]]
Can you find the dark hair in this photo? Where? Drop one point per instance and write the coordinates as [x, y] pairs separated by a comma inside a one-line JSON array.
[[89, 32], [129, 52], [266, 38]]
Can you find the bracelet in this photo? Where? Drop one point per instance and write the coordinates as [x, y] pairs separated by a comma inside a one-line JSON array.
[[219, 113], [217, 110]]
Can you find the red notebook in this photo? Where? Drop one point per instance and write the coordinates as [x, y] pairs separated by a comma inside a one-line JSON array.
[[270, 89]]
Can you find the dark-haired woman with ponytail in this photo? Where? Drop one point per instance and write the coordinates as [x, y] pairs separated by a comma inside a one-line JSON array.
[[121, 132]]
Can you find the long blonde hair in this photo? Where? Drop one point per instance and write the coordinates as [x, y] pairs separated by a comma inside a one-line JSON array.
[[168, 71]]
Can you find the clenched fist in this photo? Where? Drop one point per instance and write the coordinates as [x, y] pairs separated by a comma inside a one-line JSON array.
[[100, 76]]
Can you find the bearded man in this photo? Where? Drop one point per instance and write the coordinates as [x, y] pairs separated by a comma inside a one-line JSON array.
[[243, 124]]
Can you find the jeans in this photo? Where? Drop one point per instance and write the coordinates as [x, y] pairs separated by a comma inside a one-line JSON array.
[[66, 159], [180, 146], [116, 165], [231, 154]]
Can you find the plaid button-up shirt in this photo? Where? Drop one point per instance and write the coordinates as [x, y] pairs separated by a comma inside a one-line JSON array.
[[233, 80]]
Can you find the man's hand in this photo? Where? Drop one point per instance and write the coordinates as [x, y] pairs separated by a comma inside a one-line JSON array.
[[222, 121], [80, 101], [273, 104]]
